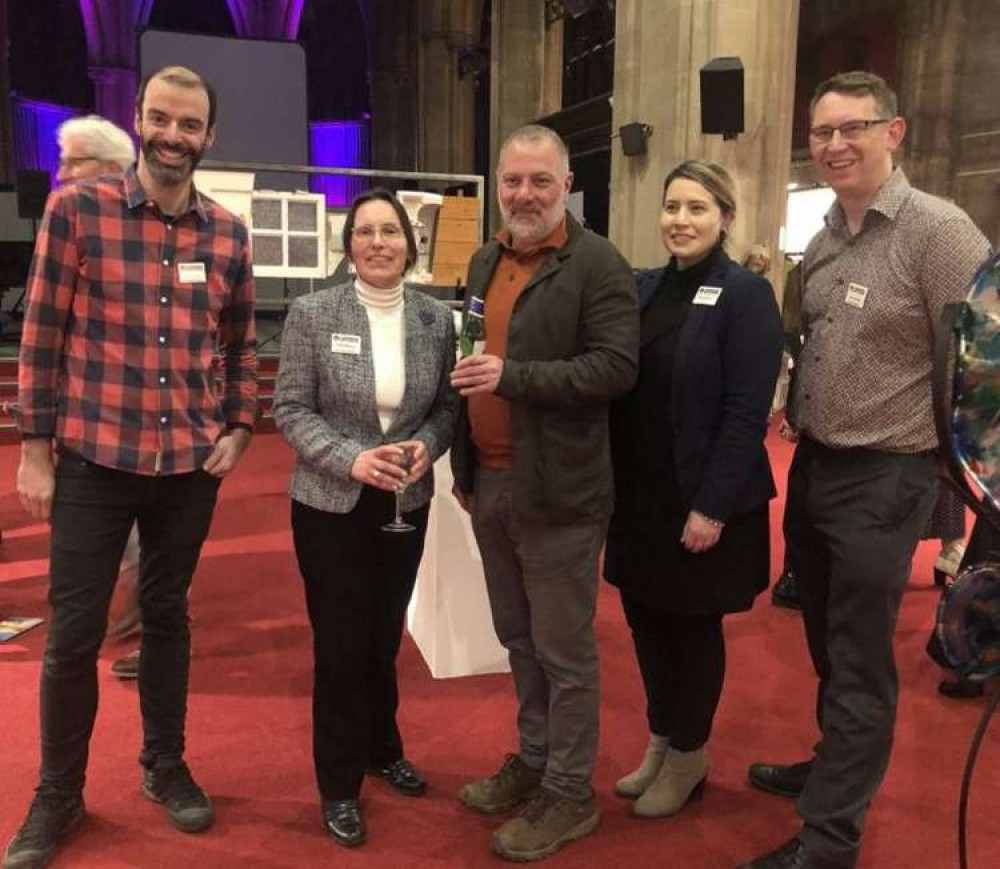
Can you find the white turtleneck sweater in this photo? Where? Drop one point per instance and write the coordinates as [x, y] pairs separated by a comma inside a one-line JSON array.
[[385, 319]]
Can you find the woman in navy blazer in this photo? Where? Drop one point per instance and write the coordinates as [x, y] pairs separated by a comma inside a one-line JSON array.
[[689, 538], [364, 376]]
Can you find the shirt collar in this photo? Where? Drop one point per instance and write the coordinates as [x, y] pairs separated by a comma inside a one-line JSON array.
[[553, 241], [887, 202], [135, 196]]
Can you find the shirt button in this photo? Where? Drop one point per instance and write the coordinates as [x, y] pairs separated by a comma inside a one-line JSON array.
[[163, 380], [166, 262], [163, 299], [163, 339], [163, 419], [829, 319], [807, 396], [170, 226]]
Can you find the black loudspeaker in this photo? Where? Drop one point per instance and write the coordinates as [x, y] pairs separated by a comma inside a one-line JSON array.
[[633, 138], [722, 97], [32, 191]]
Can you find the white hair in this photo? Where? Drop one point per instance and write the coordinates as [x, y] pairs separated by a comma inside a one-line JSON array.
[[103, 140]]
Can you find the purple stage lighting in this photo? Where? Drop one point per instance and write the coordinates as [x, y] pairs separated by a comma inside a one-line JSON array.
[[35, 124], [341, 145]]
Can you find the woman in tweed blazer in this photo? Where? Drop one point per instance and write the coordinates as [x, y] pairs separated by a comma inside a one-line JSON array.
[[363, 376]]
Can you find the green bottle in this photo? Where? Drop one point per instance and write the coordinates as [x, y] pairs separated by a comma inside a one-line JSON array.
[[472, 341]]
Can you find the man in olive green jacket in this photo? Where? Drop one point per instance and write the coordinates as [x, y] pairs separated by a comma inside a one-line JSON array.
[[531, 461]]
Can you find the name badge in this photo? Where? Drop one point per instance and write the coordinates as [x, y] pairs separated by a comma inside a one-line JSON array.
[[350, 344], [856, 295], [191, 273], [707, 295]]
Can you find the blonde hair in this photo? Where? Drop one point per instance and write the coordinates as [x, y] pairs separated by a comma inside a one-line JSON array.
[[762, 251]]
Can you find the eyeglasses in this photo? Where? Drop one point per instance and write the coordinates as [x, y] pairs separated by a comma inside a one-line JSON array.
[[849, 132], [73, 162], [388, 232]]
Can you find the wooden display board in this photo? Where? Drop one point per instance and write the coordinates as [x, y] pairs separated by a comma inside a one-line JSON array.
[[457, 237]]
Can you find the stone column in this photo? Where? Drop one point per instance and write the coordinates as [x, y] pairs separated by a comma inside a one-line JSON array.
[[391, 29], [111, 27], [266, 19], [446, 119], [659, 49], [517, 64], [932, 34], [947, 94]]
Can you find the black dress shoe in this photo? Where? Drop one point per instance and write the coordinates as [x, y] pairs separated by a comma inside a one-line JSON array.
[[344, 821], [960, 689], [791, 855], [785, 781], [402, 775], [794, 854], [785, 592]]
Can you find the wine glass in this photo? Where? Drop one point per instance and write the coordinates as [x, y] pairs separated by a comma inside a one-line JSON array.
[[405, 461]]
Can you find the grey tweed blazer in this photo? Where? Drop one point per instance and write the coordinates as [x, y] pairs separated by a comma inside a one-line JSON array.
[[324, 403]]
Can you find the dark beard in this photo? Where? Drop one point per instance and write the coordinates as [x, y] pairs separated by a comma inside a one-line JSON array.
[[171, 176]]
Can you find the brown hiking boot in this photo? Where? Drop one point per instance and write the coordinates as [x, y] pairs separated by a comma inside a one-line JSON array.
[[512, 785], [547, 823]]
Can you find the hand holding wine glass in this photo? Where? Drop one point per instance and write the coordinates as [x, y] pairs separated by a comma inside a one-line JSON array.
[[405, 460]]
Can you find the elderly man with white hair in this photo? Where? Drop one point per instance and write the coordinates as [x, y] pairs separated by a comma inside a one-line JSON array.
[[91, 146]]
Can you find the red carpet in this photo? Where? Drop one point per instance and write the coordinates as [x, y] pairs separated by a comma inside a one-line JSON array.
[[249, 740]]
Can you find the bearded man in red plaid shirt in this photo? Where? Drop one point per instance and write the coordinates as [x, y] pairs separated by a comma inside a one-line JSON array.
[[140, 294]]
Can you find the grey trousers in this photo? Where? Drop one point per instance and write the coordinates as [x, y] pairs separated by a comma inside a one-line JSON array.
[[542, 585], [853, 518]]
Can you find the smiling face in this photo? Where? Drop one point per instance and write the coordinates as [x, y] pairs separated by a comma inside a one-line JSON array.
[[532, 185], [855, 169], [172, 124], [691, 221], [379, 261]]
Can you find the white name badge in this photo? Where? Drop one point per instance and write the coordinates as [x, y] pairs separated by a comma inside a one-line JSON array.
[[707, 295], [191, 273], [350, 344], [856, 295]]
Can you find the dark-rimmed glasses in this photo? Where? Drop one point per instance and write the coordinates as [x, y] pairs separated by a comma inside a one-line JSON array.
[[849, 132]]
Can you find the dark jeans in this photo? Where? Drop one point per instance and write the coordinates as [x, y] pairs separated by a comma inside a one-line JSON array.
[[358, 582], [92, 512], [682, 659], [852, 522]]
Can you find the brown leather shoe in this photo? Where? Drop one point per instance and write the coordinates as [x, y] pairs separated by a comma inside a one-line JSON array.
[[127, 668]]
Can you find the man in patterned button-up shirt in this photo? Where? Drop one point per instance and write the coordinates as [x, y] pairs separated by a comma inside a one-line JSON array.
[[863, 480], [140, 292]]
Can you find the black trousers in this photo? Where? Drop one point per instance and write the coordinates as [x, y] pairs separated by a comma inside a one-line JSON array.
[[682, 659], [358, 582], [92, 512], [853, 518]]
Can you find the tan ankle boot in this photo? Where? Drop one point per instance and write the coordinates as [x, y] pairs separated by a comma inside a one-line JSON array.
[[633, 784], [680, 779]]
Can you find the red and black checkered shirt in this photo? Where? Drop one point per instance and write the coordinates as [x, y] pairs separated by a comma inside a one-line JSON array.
[[122, 342]]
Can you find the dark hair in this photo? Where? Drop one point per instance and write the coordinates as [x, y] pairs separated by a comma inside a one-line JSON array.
[[380, 194], [859, 83], [183, 77]]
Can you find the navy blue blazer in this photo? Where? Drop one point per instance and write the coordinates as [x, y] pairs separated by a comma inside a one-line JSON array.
[[725, 370]]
